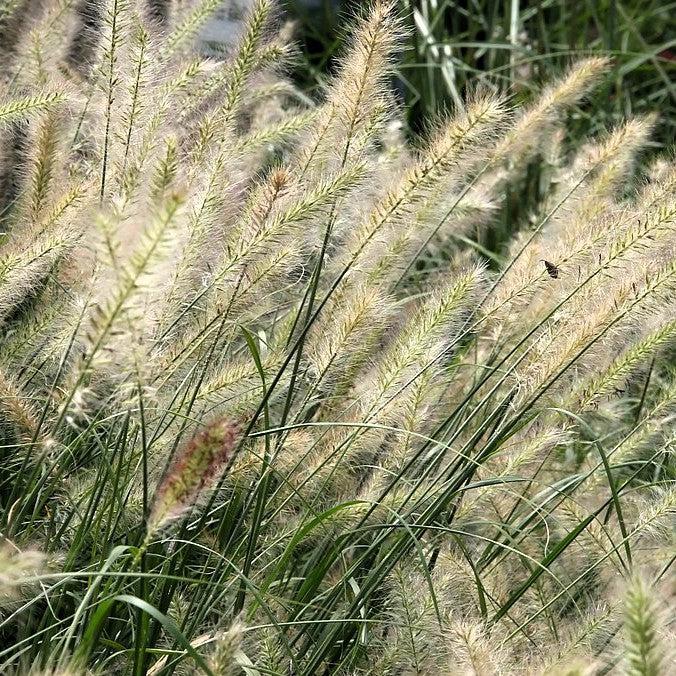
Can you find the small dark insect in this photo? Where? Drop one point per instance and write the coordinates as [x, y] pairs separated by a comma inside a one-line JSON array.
[[552, 270]]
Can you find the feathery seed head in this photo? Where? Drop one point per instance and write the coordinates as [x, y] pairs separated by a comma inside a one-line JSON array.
[[15, 566], [223, 660], [194, 468], [643, 652]]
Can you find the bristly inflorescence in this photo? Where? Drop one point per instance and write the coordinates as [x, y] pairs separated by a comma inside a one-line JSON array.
[[194, 468], [270, 403]]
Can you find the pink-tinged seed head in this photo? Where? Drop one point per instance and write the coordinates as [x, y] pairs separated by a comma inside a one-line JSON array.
[[201, 459]]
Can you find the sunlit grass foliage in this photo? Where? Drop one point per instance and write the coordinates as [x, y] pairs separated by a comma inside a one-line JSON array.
[[263, 407]]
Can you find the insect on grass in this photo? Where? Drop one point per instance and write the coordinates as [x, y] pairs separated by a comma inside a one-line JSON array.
[[552, 270]]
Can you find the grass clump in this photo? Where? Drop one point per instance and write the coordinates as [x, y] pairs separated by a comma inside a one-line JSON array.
[[263, 407]]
